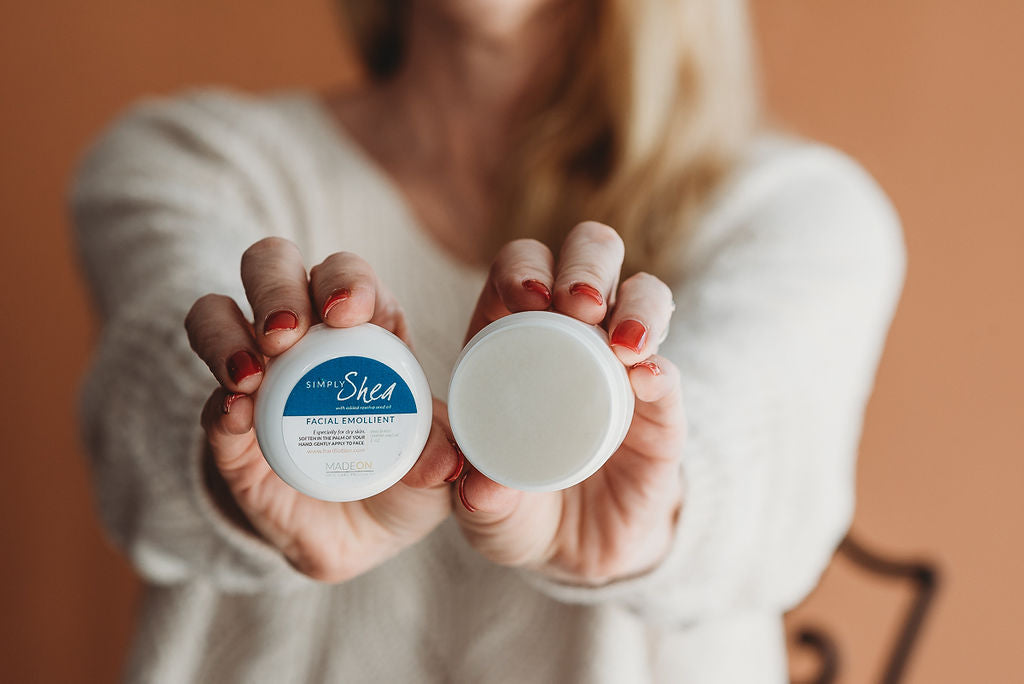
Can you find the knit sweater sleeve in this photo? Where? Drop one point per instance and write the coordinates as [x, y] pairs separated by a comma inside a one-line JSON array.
[[779, 326], [163, 207]]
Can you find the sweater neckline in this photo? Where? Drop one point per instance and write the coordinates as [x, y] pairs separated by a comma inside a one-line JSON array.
[[346, 144]]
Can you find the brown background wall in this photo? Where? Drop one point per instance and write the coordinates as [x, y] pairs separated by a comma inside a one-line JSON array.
[[926, 95]]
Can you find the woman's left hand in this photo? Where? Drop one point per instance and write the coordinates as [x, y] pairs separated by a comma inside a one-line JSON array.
[[619, 521]]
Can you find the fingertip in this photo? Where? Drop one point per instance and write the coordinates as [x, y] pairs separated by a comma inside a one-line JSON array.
[[589, 263], [347, 307], [524, 294], [479, 494], [280, 321], [542, 290], [629, 341], [221, 336], [581, 301], [460, 463], [520, 279], [344, 289], [652, 379], [335, 298], [441, 462], [461, 489], [244, 371], [229, 399], [280, 330], [226, 415], [587, 291], [236, 413], [641, 318]]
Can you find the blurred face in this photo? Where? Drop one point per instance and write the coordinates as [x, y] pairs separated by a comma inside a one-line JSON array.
[[488, 16]]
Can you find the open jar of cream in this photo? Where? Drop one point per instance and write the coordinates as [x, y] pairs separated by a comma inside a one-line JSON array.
[[343, 414], [538, 401]]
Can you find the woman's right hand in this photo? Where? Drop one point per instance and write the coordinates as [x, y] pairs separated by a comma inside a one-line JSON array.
[[328, 541]]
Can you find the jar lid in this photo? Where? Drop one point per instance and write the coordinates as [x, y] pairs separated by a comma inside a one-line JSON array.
[[538, 401]]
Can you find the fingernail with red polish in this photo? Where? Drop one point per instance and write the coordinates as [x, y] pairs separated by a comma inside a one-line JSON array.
[[462, 494], [631, 334], [654, 368], [538, 287], [280, 320], [336, 298], [229, 400], [458, 465], [587, 291], [243, 364]]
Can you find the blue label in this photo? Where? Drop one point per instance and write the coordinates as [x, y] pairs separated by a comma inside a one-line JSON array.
[[347, 385]]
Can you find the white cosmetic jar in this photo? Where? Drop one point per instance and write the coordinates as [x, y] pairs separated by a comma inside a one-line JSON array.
[[344, 413], [538, 401]]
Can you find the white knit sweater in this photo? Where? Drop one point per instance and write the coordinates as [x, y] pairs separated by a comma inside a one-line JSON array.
[[790, 284]]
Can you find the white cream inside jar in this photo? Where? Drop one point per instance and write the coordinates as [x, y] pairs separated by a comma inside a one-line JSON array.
[[344, 413], [538, 401]]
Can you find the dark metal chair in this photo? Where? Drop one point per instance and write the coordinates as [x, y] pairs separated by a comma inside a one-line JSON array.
[[924, 579]]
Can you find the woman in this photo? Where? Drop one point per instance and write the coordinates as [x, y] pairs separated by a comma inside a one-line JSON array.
[[438, 197]]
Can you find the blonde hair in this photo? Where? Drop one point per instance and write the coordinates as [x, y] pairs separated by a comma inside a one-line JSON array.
[[656, 104]]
